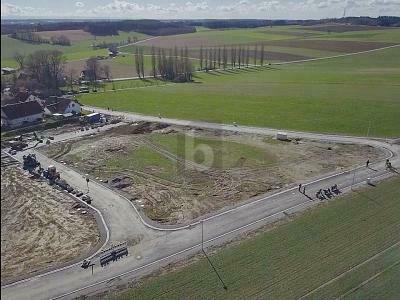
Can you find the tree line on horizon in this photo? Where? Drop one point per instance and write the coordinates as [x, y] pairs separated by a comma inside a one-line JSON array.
[[33, 38]]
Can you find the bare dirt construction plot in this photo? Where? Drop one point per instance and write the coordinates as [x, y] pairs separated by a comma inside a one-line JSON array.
[[177, 174], [72, 35], [330, 45], [40, 229]]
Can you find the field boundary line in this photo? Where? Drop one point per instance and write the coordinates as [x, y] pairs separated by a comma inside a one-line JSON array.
[[138, 42], [368, 280], [135, 88], [334, 56], [350, 270]]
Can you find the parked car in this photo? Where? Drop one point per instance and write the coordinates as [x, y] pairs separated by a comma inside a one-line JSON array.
[[87, 199]]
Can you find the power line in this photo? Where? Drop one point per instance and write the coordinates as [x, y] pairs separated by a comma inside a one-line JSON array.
[[205, 254]]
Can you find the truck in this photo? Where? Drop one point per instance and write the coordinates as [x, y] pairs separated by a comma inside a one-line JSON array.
[[93, 118], [114, 255], [51, 174]]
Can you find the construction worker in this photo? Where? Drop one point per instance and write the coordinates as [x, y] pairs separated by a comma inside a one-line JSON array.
[[388, 164], [367, 163], [299, 187]]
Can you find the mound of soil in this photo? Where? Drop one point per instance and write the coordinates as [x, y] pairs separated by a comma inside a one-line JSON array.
[[120, 182]]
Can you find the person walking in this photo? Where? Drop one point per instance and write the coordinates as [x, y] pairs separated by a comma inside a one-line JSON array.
[[367, 163], [300, 187]]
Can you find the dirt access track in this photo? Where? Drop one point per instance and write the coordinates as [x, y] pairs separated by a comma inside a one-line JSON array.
[[40, 229], [176, 174], [330, 45]]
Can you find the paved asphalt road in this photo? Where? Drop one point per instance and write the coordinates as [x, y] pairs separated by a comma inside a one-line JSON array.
[[158, 247]]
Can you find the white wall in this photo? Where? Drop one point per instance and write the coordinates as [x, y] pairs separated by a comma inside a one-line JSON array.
[[23, 121], [73, 107]]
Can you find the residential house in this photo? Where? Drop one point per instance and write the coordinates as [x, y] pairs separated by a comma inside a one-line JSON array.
[[21, 114], [63, 106]]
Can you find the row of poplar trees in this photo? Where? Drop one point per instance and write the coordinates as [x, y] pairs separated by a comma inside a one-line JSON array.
[[173, 64], [236, 56]]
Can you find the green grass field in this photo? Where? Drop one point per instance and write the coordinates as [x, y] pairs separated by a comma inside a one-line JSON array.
[[300, 256], [230, 153], [387, 35], [78, 50], [144, 157], [345, 95]]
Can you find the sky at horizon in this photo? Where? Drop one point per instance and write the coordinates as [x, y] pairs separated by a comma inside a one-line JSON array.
[[192, 9]]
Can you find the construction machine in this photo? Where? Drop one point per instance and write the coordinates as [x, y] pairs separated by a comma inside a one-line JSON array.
[[30, 162]]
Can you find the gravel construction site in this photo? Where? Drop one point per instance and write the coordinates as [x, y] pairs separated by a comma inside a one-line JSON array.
[[41, 227], [176, 174]]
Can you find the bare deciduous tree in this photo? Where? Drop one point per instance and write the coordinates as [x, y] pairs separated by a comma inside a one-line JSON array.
[[93, 70], [255, 54], [20, 59], [106, 71], [262, 55], [201, 57], [137, 62], [153, 62], [46, 67]]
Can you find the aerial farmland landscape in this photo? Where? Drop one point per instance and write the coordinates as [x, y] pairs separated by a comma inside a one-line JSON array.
[[200, 150]]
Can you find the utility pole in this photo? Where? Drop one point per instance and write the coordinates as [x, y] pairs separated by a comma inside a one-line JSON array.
[[354, 177], [87, 183], [209, 261], [202, 236]]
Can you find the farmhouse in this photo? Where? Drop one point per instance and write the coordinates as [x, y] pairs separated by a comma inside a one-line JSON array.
[[21, 114], [63, 106]]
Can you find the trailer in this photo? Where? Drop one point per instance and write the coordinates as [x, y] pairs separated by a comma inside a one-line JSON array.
[[93, 117], [114, 255]]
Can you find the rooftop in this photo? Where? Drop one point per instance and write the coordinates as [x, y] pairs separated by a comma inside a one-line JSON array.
[[21, 109]]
